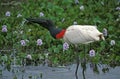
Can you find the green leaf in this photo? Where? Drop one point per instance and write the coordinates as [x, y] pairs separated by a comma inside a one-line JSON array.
[[4, 58]]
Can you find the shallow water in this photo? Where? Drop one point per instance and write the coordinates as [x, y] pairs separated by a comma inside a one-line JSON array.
[[44, 72]]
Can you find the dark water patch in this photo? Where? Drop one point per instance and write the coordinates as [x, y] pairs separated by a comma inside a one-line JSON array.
[[44, 72]]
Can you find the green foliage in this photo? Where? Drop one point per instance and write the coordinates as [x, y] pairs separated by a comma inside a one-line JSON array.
[[102, 13]]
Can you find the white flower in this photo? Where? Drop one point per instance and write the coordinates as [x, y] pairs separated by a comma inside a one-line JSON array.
[[39, 42], [29, 56], [65, 46], [112, 42], [19, 15], [92, 53], [102, 2], [7, 13], [29, 30], [41, 14], [75, 23], [21, 32], [27, 40], [117, 19], [119, 15], [4, 28], [81, 7], [117, 8], [23, 42], [76, 2], [105, 33], [63, 19], [14, 32]]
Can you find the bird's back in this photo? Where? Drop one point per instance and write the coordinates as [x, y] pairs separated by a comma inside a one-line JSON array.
[[83, 34]]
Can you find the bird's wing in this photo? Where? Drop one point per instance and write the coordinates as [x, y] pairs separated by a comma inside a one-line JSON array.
[[81, 34]]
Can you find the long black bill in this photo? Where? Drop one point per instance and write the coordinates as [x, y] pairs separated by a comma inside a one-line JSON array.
[[46, 23]]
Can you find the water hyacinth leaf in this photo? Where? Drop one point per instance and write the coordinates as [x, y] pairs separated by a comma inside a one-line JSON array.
[[55, 61], [110, 28], [66, 2], [4, 58], [105, 14], [102, 44], [59, 46], [56, 50]]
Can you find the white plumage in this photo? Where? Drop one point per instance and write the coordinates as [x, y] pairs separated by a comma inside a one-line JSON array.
[[82, 34]]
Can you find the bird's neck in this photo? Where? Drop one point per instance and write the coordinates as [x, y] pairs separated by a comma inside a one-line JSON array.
[[57, 33], [61, 34]]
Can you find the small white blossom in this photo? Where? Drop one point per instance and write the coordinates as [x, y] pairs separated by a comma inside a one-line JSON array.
[[112, 42], [29, 30], [75, 23], [65, 46], [23, 22], [92, 53], [14, 32], [76, 1], [7, 13], [19, 15], [39, 42], [82, 7], [4, 28], [117, 8], [105, 33], [29, 57], [102, 2], [41, 14], [27, 40], [21, 32], [23, 42], [63, 19], [117, 19]]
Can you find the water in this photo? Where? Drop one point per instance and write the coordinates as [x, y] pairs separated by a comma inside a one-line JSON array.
[[44, 72]]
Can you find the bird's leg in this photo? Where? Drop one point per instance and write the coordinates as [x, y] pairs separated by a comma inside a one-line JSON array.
[[77, 61], [83, 63]]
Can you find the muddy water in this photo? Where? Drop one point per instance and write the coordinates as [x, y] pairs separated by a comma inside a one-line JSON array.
[[44, 72]]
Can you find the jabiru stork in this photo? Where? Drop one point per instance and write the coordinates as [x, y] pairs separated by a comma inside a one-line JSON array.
[[74, 34]]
